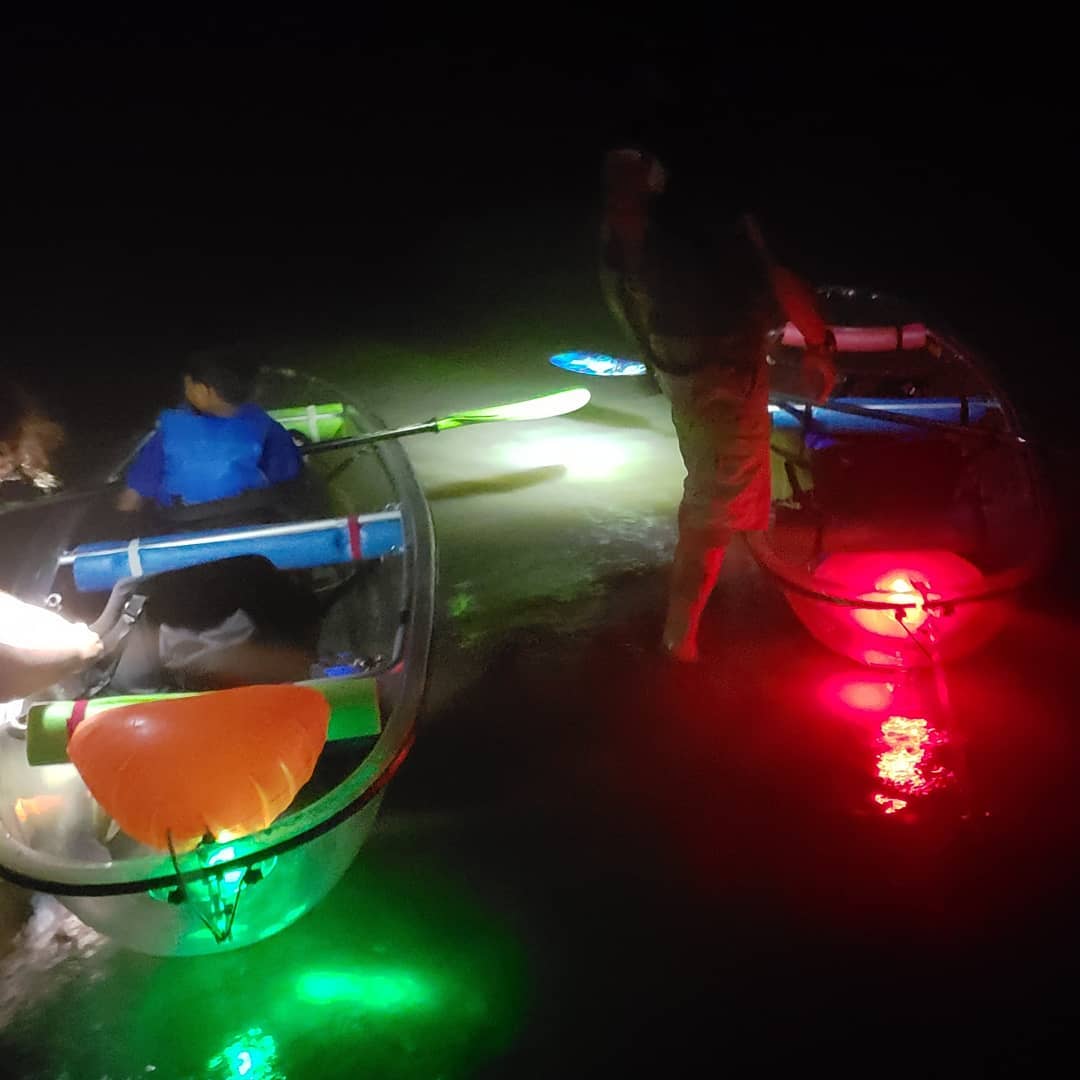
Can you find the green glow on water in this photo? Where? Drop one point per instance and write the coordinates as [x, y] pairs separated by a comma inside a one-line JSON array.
[[403, 972], [252, 1056], [461, 603], [288, 919], [374, 990]]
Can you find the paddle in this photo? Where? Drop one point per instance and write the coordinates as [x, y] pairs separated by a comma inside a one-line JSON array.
[[540, 408]]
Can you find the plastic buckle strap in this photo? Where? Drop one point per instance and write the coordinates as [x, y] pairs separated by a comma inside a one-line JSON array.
[[134, 560]]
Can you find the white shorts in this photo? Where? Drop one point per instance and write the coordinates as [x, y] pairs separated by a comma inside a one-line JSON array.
[[721, 418]]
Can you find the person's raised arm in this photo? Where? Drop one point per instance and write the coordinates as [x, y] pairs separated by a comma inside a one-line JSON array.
[[799, 305]]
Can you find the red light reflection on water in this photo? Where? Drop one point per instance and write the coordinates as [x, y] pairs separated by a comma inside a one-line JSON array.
[[888, 804], [907, 763], [906, 744], [866, 696]]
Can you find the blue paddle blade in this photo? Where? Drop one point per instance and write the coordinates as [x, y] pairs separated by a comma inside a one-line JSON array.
[[589, 363]]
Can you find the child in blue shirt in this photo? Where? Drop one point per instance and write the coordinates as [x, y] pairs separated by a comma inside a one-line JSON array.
[[218, 446]]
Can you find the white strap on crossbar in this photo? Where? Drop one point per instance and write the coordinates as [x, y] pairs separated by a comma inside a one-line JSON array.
[[134, 560], [313, 423]]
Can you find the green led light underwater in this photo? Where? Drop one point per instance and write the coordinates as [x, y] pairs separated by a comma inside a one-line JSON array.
[[224, 855], [252, 1056], [219, 890], [384, 991]]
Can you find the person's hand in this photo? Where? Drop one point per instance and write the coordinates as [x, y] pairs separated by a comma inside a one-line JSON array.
[[819, 373], [85, 643], [69, 651], [128, 501], [45, 637], [39, 647]]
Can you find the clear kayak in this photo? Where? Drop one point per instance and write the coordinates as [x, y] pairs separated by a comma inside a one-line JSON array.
[[908, 508], [328, 583]]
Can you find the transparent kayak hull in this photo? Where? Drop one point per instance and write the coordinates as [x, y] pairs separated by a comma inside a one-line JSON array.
[[297, 881], [908, 509], [375, 622]]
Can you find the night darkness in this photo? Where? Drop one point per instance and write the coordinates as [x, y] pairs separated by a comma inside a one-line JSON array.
[[166, 185]]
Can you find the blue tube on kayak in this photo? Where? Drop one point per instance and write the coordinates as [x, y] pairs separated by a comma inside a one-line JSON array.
[[939, 410], [297, 545]]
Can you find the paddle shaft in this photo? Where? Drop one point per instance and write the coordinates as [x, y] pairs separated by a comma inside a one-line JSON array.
[[369, 437], [310, 448], [364, 439]]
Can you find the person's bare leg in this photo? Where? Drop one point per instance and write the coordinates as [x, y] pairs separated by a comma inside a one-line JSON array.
[[706, 415], [698, 559]]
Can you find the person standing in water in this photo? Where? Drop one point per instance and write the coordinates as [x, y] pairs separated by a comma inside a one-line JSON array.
[[700, 294]]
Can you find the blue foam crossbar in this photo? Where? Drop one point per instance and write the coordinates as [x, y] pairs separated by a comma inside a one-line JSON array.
[[297, 545], [939, 410]]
